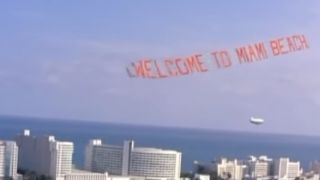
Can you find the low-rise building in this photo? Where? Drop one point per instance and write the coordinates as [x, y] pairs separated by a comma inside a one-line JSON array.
[[201, 177], [310, 176], [86, 175]]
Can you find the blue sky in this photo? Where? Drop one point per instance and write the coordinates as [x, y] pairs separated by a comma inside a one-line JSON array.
[[67, 59]]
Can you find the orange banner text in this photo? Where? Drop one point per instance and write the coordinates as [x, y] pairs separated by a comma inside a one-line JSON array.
[[221, 59]]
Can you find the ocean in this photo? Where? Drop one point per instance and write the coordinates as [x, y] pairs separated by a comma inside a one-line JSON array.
[[195, 144]]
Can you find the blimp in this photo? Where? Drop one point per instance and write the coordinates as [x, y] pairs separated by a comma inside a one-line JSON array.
[[256, 121]]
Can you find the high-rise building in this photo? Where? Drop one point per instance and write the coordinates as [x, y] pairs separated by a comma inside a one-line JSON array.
[[286, 169], [8, 160], [61, 158], [154, 163], [259, 167], [2, 160], [128, 160], [102, 157], [228, 169], [44, 155]]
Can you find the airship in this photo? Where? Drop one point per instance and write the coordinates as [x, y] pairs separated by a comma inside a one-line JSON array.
[[256, 121]]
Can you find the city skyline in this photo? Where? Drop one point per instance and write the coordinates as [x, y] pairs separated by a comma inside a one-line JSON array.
[[49, 158], [67, 60]]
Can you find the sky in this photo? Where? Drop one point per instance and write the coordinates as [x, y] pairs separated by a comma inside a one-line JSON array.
[[66, 60]]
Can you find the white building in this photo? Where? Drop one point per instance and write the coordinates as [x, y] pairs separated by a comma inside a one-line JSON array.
[[8, 160], [201, 177], [85, 175], [230, 169], [151, 162], [259, 168], [128, 160], [61, 158], [310, 176], [284, 169], [2, 160], [44, 155]]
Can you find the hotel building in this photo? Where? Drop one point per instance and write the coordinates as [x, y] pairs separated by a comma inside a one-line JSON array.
[[44, 155], [128, 160]]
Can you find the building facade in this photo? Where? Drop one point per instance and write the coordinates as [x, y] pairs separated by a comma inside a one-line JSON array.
[[230, 169], [85, 175], [128, 160], [8, 160], [286, 169], [101, 157], [61, 158], [259, 168], [201, 177], [44, 155], [154, 163]]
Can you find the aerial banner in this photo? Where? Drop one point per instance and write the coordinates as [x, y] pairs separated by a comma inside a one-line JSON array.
[[219, 59]]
